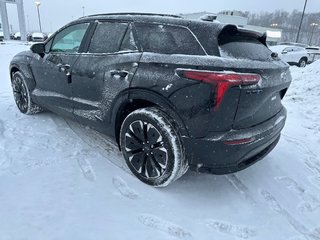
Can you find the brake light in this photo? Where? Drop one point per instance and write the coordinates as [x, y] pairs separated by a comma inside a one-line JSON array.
[[221, 80]]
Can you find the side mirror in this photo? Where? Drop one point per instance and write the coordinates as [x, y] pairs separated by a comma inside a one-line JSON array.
[[284, 52], [38, 48]]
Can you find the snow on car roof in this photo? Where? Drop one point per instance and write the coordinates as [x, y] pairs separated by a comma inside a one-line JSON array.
[[37, 34]]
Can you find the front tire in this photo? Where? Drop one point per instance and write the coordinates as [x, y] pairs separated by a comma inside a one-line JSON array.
[[152, 147], [302, 63], [22, 96]]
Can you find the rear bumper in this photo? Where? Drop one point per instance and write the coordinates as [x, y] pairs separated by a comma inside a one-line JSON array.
[[224, 153]]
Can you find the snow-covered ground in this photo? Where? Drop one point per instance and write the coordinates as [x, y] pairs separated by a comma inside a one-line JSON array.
[[59, 180]]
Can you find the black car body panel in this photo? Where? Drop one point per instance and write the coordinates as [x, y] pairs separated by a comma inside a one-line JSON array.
[[99, 89]]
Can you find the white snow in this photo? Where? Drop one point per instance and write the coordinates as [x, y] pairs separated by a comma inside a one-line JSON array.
[[167, 87], [37, 35], [59, 180]]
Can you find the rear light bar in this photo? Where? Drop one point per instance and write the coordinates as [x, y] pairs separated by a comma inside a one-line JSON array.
[[221, 80]]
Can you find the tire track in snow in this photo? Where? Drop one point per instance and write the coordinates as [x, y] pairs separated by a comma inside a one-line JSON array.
[[5, 161], [1, 128], [243, 189], [123, 188], [312, 162], [99, 143], [232, 230], [296, 225], [164, 226], [315, 181], [310, 203], [86, 169]]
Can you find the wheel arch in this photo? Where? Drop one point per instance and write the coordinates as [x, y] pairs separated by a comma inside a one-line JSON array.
[[13, 70], [134, 99], [25, 70]]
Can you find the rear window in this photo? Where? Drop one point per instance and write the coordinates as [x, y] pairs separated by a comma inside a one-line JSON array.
[[168, 39], [107, 37], [244, 48]]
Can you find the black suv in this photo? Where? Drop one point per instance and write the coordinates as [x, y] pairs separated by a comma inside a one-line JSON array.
[[173, 93]]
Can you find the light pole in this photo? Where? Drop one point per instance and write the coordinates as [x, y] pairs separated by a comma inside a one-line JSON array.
[[314, 25], [304, 10], [82, 11], [38, 3]]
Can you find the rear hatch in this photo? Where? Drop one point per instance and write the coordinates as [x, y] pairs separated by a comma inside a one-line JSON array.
[[246, 51]]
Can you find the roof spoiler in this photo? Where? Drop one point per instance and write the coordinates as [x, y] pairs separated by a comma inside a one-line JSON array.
[[234, 30]]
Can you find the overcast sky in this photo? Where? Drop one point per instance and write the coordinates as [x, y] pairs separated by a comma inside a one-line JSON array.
[[56, 13]]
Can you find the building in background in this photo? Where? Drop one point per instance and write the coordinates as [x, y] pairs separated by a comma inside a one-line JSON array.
[[274, 35], [5, 20]]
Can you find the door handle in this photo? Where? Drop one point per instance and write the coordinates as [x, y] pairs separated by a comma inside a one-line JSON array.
[[120, 73], [65, 68]]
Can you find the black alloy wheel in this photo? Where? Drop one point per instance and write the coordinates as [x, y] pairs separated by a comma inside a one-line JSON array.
[[152, 147], [20, 93], [145, 148]]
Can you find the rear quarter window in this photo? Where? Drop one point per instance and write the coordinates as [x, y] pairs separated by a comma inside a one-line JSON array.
[[168, 39], [244, 47]]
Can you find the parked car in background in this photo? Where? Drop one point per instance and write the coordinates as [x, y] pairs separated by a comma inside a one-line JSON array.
[[29, 37], [38, 37], [293, 55], [1, 36], [294, 44], [17, 36], [313, 53], [172, 93]]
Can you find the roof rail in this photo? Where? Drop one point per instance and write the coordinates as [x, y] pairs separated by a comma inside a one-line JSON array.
[[133, 14]]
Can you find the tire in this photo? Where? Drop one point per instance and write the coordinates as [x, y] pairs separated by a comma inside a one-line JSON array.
[[152, 147], [22, 96], [302, 63]]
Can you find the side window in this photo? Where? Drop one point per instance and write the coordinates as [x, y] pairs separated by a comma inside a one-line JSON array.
[[107, 37], [168, 39], [69, 39], [128, 43], [297, 49]]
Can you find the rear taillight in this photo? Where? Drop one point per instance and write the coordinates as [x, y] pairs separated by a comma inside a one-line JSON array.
[[221, 80]]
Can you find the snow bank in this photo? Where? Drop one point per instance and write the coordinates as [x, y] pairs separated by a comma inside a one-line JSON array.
[[303, 96], [306, 84]]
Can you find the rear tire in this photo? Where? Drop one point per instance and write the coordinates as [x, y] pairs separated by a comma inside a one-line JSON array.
[[152, 147], [302, 63], [22, 96]]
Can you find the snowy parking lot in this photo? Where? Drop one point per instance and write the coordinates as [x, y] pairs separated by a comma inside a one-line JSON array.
[[59, 180]]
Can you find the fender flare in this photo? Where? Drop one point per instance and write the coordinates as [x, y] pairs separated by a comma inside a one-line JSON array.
[[26, 72], [129, 95]]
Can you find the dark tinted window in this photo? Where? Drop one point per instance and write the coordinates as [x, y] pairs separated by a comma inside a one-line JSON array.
[[244, 47], [168, 39], [107, 37], [128, 43]]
